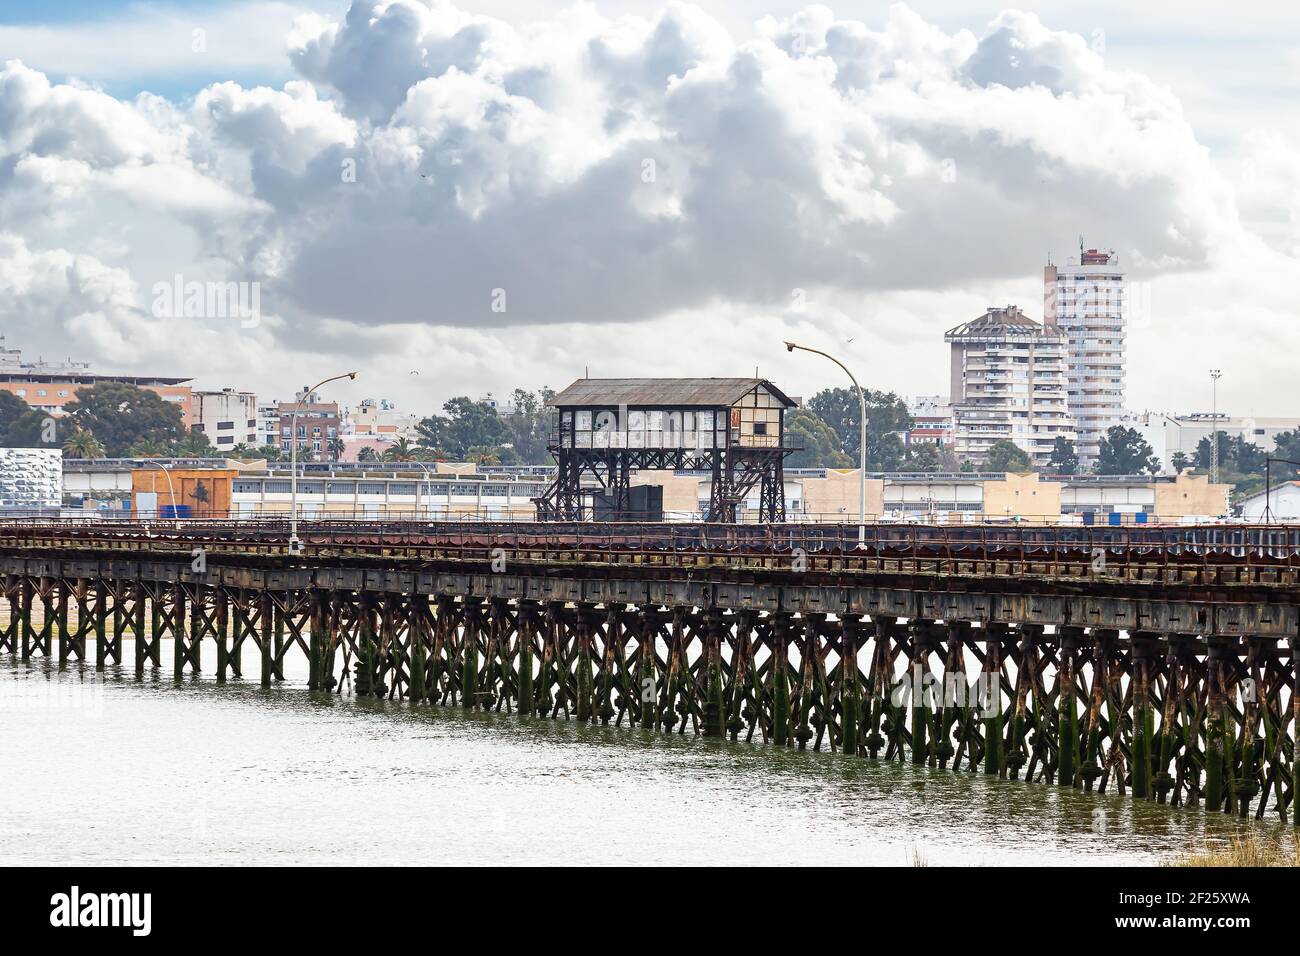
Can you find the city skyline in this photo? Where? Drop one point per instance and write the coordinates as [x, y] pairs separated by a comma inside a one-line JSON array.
[[895, 183]]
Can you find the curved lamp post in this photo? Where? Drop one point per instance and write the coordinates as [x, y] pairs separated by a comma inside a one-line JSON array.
[[171, 490], [862, 440], [295, 545]]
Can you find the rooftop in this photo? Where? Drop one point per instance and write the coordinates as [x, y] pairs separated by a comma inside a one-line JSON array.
[[662, 392], [1008, 320]]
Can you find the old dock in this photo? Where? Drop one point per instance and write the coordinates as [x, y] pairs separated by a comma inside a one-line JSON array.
[[1157, 662]]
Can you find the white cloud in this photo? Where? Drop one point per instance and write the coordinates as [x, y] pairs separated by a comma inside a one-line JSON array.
[[646, 191], [155, 39]]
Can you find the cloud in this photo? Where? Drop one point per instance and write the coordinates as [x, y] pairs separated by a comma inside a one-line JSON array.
[[153, 42], [469, 185]]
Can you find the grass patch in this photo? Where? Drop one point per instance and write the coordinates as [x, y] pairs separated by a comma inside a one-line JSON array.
[[1249, 850]]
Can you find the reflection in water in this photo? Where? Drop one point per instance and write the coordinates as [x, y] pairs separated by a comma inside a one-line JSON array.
[[104, 769]]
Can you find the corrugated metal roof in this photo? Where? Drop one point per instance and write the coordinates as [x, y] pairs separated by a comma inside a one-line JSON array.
[[710, 392]]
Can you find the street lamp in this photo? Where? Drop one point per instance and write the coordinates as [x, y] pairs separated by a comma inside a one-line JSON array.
[[1214, 377], [1268, 484], [171, 490], [862, 440], [295, 546]]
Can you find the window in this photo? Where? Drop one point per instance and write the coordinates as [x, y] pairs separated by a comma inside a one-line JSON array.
[[760, 428]]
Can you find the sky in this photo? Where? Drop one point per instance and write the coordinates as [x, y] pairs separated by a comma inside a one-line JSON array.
[[463, 198]]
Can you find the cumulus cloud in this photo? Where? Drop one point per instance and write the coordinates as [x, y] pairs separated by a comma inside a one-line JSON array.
[[452, 178]]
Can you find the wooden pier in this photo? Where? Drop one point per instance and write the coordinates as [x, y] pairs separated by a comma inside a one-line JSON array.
[[1158, 663]]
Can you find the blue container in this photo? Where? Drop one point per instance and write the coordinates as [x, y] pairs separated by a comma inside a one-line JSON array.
[[1090, 517], [1114, 517], [1140, 517], [173, 511]]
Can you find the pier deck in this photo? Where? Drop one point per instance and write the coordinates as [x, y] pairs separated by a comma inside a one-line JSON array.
[[1160, 661]]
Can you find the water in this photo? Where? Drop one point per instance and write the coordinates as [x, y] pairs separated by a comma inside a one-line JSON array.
[[102, 769]]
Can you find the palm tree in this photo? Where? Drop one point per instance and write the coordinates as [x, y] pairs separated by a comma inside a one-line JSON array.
[[82, 444], [400, 450], [148, 448], [335, 446], [367, 454], [482, 455]]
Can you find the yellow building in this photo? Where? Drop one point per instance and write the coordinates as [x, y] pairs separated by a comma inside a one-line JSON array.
[[1025, 496], [182, 492]]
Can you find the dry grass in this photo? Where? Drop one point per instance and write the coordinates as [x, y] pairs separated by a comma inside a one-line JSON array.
[[1249, 850]]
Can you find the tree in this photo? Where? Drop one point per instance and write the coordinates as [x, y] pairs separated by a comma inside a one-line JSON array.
[[400, 450], [1006, 455], [887, 416], [529, 424], [122, 415], [924, 458], [489, 455], [193, 444], [82, 444], [1180, 462], [367, 454], [335, 446], [1125, 452], [466, 424], [1064, 459], [253, 452], [1287, 445], [818, 441], [22, 426], [1235, 454]]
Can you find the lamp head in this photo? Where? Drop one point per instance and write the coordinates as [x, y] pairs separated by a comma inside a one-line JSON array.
[[352, 375], [789, 346]]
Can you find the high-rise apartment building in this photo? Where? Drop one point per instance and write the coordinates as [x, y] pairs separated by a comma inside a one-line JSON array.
[[1008, 383], [1085, 300]]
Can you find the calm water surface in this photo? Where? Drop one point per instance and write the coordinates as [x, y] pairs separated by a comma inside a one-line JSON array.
[[102, 769]]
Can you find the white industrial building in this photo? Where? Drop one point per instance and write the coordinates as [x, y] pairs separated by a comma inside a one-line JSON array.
[[1085, 300], [1282, 502], [31, 479], [1170, 434]]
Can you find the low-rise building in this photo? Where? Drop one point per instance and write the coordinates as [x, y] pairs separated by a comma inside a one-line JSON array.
[[227, 417], [49, 386], [31, 479], [437, 490], [317, 426], [268, 424], [931, 422], [1169, 435], [1279, 503], [380, 418], [1084, 499], [396, 491]]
